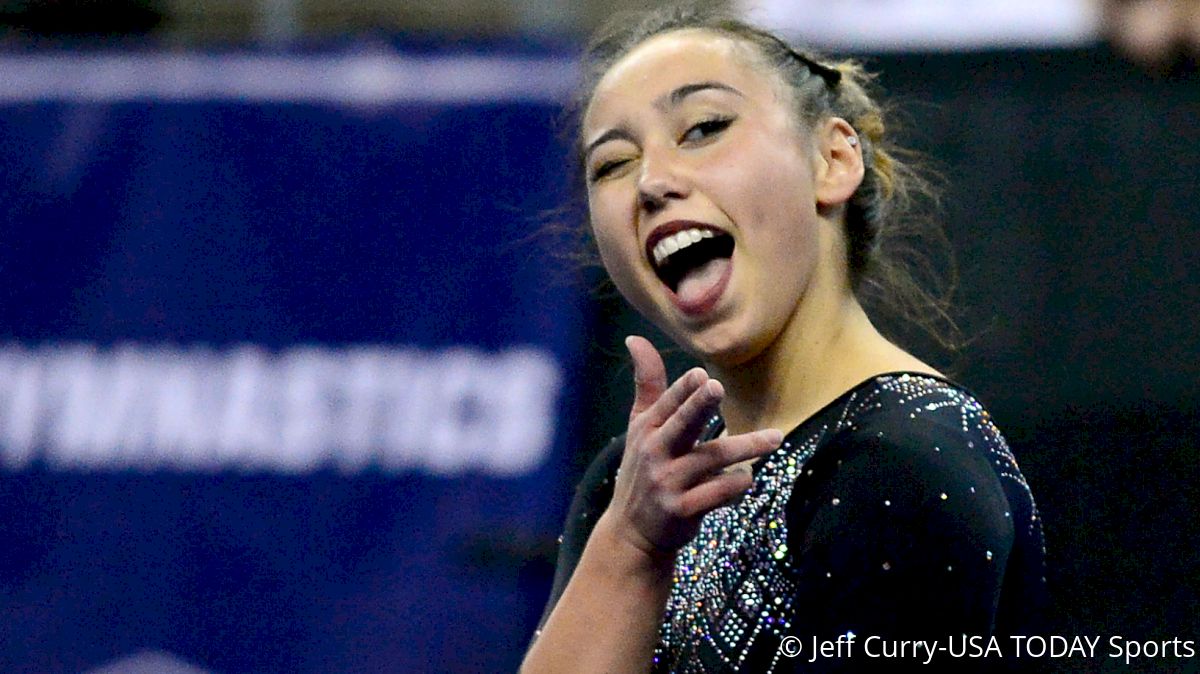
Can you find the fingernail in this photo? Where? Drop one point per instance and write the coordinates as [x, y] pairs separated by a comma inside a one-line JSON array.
[[773, 435]]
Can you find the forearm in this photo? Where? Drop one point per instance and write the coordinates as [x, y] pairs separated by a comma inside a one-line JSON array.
[[608, 617]]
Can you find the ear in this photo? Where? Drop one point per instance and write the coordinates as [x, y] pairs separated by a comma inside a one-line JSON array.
[[839, 169]]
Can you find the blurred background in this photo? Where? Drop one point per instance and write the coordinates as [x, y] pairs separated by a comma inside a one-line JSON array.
[[294, 378]]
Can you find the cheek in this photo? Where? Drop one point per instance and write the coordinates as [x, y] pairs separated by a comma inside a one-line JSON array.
[[761, 178], [783, 195], [615, 241], [622, 260], [612, 256], [607, 229]]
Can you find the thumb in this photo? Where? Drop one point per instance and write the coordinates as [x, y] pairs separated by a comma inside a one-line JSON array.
[[649, 373]]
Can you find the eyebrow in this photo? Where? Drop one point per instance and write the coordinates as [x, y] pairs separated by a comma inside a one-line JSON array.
[[618, 133], [676, 97], [670, 100]]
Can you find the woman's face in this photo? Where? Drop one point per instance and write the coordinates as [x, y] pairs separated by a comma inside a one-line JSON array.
[[701, 193]]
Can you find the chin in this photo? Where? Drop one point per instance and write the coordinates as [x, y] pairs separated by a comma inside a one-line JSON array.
[[722, 351]]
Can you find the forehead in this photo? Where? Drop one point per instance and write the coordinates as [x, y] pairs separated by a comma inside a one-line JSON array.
[[664, 62]]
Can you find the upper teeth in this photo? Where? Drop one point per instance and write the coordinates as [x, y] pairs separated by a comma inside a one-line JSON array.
[[678, 241]]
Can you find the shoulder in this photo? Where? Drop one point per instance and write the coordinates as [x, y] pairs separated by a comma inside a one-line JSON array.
[[913, 456], [592, 496], [596, 483], [909, 409], [898, 520], [921, 434]]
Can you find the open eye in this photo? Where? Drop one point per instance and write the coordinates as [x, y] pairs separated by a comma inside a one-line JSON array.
[[705, 129]]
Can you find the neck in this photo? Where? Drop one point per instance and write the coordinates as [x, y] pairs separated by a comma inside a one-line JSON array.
[[813, 362]]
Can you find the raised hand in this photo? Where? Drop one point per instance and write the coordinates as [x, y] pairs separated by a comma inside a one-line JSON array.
[[668, 480]]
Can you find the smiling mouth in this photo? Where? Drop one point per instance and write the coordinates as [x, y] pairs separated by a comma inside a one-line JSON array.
[[688, 251]]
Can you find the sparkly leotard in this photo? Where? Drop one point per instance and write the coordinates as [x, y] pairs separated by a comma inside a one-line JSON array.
[[897, 511]]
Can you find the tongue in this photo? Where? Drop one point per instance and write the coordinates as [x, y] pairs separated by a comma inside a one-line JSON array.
[[697, 283]]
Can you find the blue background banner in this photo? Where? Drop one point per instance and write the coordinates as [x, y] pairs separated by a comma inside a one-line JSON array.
[[283, 383]]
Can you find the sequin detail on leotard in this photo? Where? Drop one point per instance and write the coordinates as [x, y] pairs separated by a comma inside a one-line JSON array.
[[734, 586]]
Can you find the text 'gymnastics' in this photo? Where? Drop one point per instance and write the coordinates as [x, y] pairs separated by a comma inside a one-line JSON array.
[[394, 409]]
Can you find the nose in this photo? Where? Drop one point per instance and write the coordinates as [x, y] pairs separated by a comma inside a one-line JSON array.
[[660, 182]]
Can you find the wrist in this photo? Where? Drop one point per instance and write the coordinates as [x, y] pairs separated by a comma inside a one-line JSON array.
[[629, 554]]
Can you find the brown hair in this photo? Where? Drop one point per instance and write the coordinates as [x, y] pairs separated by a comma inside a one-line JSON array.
[[891, 240]]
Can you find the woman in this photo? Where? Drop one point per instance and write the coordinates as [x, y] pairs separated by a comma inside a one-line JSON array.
[[737, 192]]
